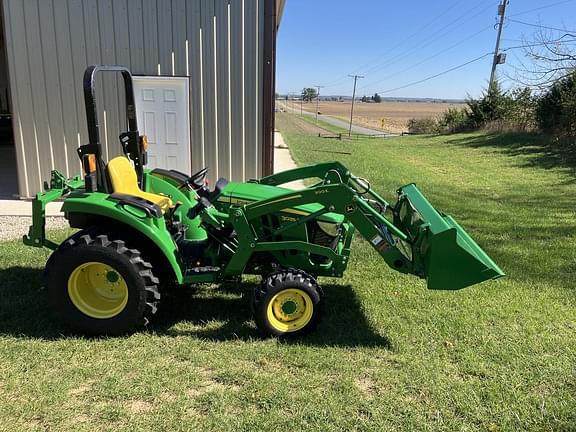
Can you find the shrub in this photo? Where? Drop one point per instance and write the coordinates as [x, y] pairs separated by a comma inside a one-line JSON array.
[[422, 125], [491, 106], [503, 111], [454, 120], [556, 108], [521, 112]]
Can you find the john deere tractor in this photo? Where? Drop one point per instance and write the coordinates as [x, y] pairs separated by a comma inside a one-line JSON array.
[[140, 230]]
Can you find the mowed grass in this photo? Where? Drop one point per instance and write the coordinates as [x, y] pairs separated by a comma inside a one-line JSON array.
[[388, 355]]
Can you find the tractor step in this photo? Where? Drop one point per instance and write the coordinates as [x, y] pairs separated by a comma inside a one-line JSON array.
[[196, 271]]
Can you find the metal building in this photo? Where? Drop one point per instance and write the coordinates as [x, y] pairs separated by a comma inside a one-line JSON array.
[[204, 83]]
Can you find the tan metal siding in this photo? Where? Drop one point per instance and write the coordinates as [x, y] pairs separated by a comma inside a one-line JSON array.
[[67, 93], [164, 12], [258, 84], [193, 24], [208, 87], [250, 22], [136, 35], [237, 91], [214, 42], [179, 37], [222, 62]]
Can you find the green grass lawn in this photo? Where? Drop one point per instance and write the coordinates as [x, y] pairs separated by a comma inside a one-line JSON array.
[[388, 355]]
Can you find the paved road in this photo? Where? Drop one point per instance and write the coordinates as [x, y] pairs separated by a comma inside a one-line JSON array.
[[337, 122]]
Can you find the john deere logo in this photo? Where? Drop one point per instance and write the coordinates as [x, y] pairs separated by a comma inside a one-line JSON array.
[[350, 208]]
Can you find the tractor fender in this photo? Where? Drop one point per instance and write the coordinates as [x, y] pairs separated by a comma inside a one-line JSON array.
[[85, 211]]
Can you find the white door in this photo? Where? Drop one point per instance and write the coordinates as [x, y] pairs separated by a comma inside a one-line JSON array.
[[162, 110]]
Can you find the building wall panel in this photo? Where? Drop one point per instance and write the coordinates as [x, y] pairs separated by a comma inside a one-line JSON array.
[[237, 91], [38, 88], [222, 72], [250, 90], [216, 43], [178, 35], [194, 38], [66, 90]]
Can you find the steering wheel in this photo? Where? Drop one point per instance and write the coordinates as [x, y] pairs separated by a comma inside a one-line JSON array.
[[196, 180]]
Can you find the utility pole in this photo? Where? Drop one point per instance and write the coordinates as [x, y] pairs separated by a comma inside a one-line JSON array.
[[353, 97], [317, 99], [498, 57]]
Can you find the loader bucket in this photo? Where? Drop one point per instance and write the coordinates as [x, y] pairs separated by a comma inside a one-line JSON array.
[[442, 251]]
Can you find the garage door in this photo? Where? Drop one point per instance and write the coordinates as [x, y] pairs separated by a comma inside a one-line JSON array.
[[163, 115]]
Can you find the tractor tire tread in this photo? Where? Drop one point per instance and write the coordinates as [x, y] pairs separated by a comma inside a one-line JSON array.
[[132, 257], [275, 281]]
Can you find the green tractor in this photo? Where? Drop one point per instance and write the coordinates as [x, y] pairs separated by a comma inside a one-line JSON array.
[[141, 230]]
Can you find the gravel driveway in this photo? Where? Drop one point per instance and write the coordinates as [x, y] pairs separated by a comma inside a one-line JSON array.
[[14, 227]]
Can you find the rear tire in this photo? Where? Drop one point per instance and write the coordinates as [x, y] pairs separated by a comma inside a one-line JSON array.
[[100, 287], [287, 304]]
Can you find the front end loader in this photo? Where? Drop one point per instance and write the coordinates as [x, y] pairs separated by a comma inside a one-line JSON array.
[[140, 230]]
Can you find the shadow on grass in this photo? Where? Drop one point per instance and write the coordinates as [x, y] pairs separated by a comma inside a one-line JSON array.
[[23, 308], [24, 312], [343, 322], [543, 151]]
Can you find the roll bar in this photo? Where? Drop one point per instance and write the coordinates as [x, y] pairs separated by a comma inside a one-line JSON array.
[[91, 153]]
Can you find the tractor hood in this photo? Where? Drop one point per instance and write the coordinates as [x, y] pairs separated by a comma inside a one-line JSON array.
[[245, 193]]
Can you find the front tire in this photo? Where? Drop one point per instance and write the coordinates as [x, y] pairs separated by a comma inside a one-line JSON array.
[[100, 287], [287, 304]]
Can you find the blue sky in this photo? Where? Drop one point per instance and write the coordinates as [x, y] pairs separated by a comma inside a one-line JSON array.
[[394, 43]]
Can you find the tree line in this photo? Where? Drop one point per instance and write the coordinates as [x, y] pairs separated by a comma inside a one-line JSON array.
[[552, 111]]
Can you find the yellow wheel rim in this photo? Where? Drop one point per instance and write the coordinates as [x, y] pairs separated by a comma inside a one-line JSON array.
[[290, 310], [98, 290]]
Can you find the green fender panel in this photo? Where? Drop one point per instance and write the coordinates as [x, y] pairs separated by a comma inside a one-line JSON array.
[[154, 228]]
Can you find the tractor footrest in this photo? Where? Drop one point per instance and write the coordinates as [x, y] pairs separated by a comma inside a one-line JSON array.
[[194, 271]]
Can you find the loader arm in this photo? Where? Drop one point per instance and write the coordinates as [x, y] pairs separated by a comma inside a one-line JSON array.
[[411, 236], [311, 171]]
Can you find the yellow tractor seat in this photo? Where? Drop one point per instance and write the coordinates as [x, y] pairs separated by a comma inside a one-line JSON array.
[[124, 181]]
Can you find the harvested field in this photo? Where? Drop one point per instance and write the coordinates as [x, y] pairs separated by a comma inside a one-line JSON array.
[[395, 114]]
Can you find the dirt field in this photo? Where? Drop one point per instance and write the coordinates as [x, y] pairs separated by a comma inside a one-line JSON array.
[[394, 114]]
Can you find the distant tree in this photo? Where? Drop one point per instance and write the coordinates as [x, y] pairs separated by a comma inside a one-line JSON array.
[[377, 98], [550, 56], [364, 99], [309, 94]]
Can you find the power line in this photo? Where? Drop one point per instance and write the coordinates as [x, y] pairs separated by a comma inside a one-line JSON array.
[[540, 26], [463, 65], [542, 7], [416, 33], [439, 33], [433, 56], [396, 46], [438, 74], [430, 39], [539, 44]]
